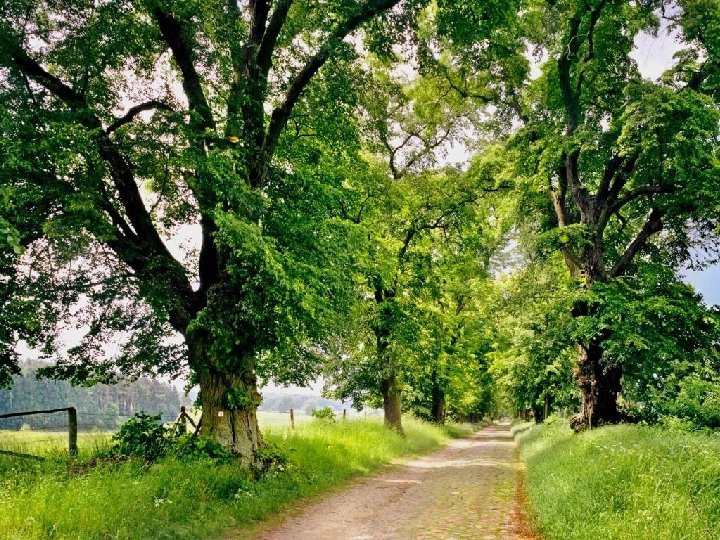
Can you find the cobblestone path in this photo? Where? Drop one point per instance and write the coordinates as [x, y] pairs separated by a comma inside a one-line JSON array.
[[466, 490]]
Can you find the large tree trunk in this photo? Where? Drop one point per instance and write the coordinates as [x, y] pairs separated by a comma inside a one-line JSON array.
[[438, 403], [599, 388], [229, 399], [232, 425], [391, 403]]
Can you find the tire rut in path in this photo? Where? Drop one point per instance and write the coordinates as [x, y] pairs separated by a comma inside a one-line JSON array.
[[466, 490]]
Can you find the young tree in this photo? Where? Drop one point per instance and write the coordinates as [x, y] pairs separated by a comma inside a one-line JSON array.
[[121, 122]]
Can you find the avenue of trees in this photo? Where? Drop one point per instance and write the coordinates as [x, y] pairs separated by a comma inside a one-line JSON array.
[[451, 208]]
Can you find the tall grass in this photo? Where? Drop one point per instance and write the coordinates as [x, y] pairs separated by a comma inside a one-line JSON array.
[[194, 499], [622, 482], [52, 443]]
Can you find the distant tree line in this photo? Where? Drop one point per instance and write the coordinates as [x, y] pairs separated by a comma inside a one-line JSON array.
[[100, 406]]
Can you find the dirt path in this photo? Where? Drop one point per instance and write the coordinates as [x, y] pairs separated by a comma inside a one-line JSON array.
[[466, 490]]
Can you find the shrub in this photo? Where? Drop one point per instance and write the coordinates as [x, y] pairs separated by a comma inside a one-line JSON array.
[[324, 413], [195, 447], [141, 436], [699, 402], [268, 459]]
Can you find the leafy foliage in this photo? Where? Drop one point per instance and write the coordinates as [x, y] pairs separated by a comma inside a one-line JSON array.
[[141, 436], [324, 414]]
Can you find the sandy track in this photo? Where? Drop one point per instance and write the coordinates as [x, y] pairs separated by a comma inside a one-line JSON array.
[[466, 490]]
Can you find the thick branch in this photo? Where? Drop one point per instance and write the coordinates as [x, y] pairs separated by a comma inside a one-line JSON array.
[[611, 169], [260, 11], [137, 248], [174, 35], [34, 71], [281, 114], [634, 194], [594, 17], [269, 40], [572, 177], [653, 225], [559, 198], [565, 62], [134, 111], [621, 178]]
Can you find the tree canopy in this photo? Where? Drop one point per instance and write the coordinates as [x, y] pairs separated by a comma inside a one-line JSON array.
[[245, 191]]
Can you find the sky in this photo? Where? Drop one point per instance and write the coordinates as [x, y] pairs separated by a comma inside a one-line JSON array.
[[706, 282]]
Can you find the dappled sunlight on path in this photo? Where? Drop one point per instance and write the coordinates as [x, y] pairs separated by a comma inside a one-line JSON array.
[[466, 490]]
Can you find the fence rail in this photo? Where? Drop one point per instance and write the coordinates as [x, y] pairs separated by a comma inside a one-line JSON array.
[[72, 429]]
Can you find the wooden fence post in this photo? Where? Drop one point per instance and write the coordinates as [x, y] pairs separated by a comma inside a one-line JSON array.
[[344, 414], [72, 431], [292, 419]]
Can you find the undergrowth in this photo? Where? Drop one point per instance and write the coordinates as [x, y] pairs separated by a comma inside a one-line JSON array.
[[177, 498], [622, 482]]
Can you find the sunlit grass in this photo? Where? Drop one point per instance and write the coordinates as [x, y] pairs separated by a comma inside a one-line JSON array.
[[44, 443], [195, 499], [622, 482]]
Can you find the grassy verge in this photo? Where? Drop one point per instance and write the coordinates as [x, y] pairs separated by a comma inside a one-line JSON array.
[[622, 482], [195, 499]]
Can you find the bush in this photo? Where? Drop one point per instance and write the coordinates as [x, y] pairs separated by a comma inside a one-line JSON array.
[[146, 437], [324, 413], [269, 459], [195, 447], [699, 402], [141, 436]]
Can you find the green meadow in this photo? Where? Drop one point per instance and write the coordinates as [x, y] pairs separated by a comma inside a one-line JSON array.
[[184, 499], [624, 482]]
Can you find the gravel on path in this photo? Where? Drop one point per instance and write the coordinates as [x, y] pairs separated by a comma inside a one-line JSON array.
[[467, 490]]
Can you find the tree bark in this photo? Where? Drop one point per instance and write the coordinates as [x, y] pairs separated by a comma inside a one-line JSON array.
[[599, 388], [235, 428], [438, 403], [391, 403], [229, 399]]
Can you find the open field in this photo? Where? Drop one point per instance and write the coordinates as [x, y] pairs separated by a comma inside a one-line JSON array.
[[48, 443], [182, 499], [55, 442], [622, 482]]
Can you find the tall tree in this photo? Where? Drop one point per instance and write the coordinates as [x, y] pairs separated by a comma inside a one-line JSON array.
[[122, 121], [629, 165]]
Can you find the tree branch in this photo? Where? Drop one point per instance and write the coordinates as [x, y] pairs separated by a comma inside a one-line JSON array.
[[594, 17], [134, 111], [611, 169], [573, 180], [173, 33], [565, 62], [652, 225], [634, 194], [144, 245], [280, 115], [269, 40], [260, 11]]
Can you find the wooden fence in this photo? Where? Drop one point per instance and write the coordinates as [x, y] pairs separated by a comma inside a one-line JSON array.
[[72, 429]]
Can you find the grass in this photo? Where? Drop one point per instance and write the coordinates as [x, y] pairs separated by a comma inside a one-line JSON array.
[[622, 482], [55, 442], [52, 443], [195, 499]]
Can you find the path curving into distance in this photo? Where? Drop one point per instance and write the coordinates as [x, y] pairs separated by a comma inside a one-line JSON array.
[[466, 490]]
